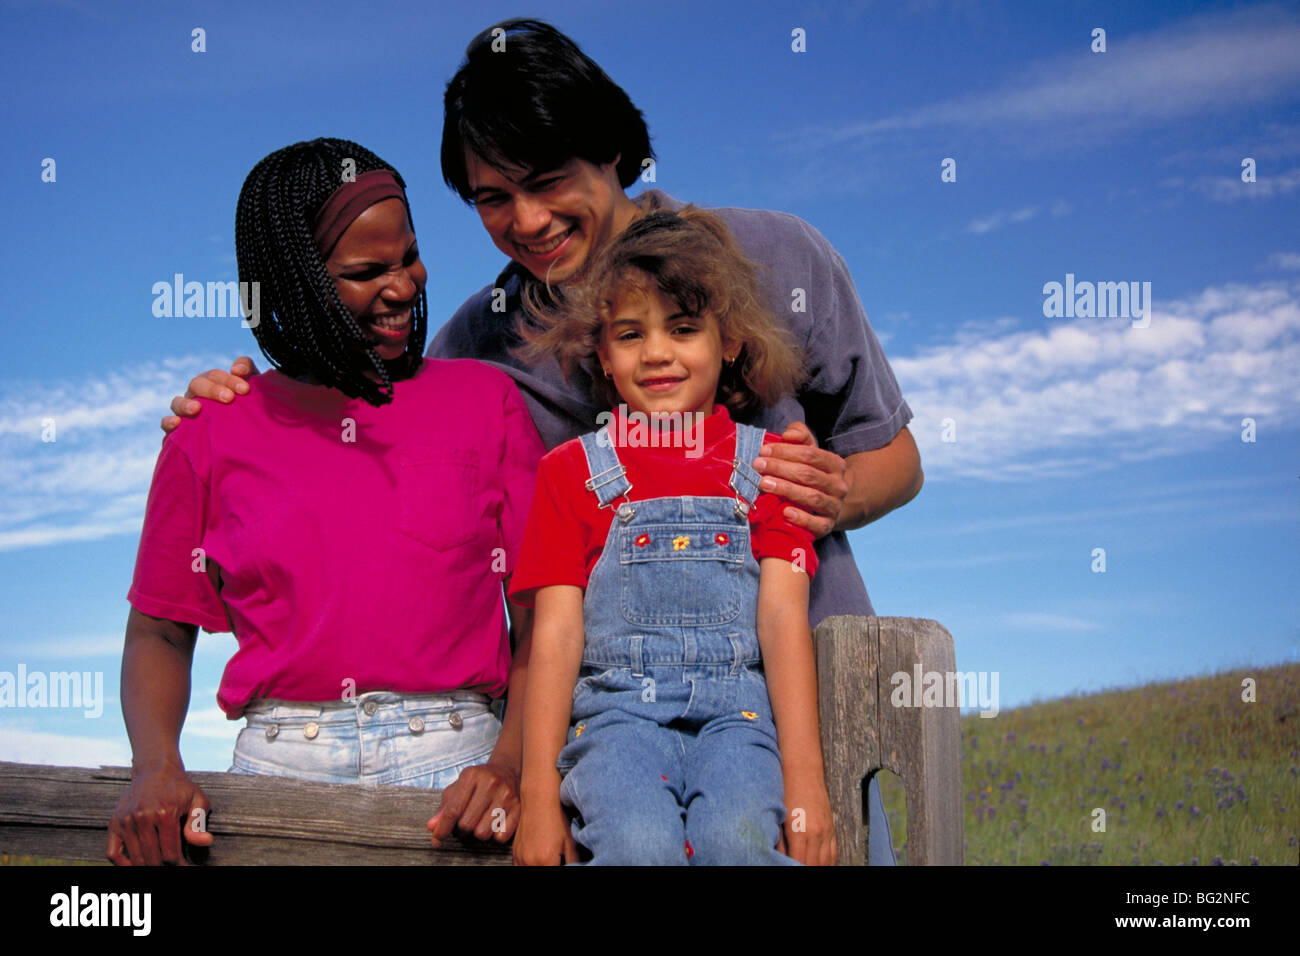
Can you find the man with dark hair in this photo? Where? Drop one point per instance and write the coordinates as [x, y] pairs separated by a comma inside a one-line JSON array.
[[533, 108], [542, 143]]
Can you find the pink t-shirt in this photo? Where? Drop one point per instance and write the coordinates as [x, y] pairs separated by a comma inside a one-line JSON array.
[[356, 544]]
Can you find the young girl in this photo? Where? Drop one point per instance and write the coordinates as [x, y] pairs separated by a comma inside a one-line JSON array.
[[665, 585]]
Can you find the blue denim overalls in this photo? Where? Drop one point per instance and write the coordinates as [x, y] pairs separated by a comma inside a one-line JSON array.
[[672, 753]]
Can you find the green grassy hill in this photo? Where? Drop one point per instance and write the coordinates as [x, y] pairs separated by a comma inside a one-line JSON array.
[[1186, 772]]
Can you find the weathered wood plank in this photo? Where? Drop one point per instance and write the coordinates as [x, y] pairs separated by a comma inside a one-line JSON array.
[[846, 659], [63, 812], [922, 744], [862, 733]]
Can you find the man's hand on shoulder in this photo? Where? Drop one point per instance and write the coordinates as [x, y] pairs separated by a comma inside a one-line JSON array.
[[810, 478], [214, 384], [828, 492]]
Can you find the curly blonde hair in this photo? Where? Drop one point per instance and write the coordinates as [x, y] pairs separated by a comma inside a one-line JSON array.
[[693, 260]]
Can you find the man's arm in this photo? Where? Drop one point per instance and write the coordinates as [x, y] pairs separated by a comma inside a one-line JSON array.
[[851, 399]]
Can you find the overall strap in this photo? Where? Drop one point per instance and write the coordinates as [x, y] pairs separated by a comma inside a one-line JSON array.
[[744, 479], [608, 476]]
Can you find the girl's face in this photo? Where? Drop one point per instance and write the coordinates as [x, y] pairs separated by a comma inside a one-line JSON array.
[[378, 274], [661, 359]]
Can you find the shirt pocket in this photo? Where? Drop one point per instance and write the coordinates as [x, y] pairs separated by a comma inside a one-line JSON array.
[[439, 496]]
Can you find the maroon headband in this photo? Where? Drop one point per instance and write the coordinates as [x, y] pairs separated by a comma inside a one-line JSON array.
[[351, 200]]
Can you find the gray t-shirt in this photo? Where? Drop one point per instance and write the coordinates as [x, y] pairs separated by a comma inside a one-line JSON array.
[[850, 401]]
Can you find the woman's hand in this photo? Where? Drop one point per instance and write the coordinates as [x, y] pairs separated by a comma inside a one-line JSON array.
[[809, 829], [544, 837], [483, 801], [161, 809]]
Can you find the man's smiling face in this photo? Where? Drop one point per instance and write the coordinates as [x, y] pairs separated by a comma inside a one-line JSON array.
[[550, 222]]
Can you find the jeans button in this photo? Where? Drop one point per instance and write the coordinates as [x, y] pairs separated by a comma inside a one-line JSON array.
[[456, 721], [272, 731], [370, 707], [416, 724], [311, 730]]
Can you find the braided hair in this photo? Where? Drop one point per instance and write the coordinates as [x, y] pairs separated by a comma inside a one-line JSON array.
[[304, 329]]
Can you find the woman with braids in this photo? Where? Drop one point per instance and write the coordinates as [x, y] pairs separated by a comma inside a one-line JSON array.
[[356, 552]]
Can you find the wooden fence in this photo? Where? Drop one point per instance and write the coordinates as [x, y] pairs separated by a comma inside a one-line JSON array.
[[63, 812]]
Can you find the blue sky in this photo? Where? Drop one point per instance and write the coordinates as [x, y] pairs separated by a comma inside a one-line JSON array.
[[1071, 434]]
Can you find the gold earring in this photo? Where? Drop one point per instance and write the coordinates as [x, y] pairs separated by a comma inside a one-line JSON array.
[[608, 373]]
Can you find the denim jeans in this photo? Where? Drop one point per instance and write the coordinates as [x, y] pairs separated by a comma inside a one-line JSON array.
[[407, 740], [671, 755], [703, 789]]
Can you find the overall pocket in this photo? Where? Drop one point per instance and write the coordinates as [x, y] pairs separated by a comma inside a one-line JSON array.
[[677, 575]]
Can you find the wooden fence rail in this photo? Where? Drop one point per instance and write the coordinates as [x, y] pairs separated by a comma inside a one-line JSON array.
[[63, 812]]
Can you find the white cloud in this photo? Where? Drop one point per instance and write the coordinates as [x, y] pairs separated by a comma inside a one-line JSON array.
[[999, 219], [92, 479], [1209, 64], [1085, 394], [212, 723], [60, 647], [1231, 188], [1289, 261], [1273, 144], [64, 750]]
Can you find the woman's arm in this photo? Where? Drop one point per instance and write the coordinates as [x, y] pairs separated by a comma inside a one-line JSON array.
[[484, 799], [786, 642], [162, 804], [558, 637], [509, 750]]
